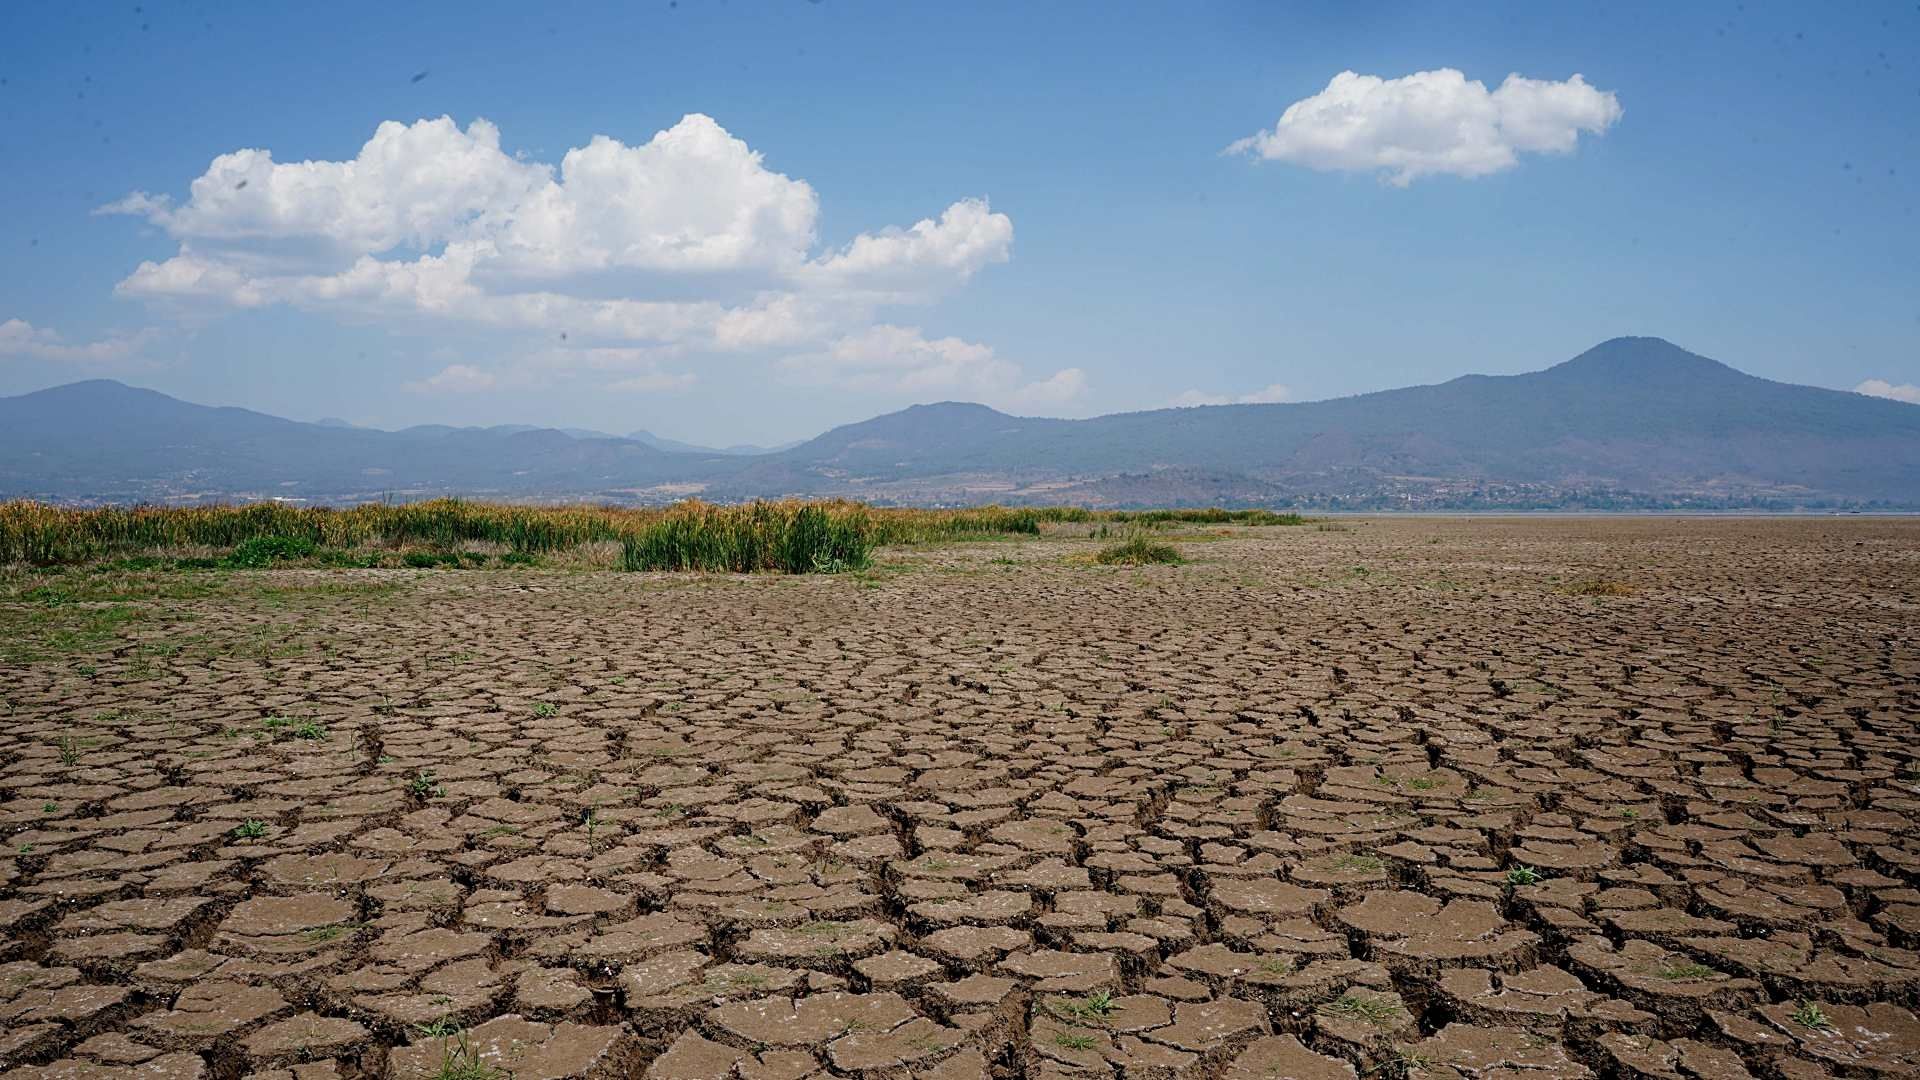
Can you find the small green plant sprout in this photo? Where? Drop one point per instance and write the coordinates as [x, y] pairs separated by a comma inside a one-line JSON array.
[[49, 808], [444, 1027], [320, 935], [69, 750], [1810, 1015], [1523, 875], [545, 709], [1097, 1005], [1686, 971], [250, 829], [1352, 1005], [462, 1062], [423, 786], [1073, 1040], [308, 729]]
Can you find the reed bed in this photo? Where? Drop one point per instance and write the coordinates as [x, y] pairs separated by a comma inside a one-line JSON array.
[[789, 536]]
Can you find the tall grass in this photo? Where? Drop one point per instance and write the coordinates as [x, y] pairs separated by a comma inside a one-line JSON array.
[[36, 533], [793, 538], [788, 536]]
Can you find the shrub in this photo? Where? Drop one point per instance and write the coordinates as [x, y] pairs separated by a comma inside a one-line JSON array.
[[426, 560], [1138, 549]]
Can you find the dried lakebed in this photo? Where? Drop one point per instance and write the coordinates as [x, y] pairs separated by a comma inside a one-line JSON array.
[[1487, 799]]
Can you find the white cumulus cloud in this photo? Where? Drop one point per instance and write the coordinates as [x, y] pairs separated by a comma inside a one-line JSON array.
[[967, 237], [1266, 395], [1432, 123], [688, 241], [1881, 388], [901, 360], [19, 337]]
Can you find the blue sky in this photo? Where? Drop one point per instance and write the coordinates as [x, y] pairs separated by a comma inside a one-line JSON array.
[[1088, 245]]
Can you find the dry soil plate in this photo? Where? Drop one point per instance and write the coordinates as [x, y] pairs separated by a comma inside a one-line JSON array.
[[1388, 799]]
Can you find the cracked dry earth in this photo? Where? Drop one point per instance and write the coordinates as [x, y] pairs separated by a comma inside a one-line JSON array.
[[989, 813]]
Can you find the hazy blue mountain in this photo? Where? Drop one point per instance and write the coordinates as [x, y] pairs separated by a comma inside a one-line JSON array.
[[661, 442], [1632, 414], [1633, 423], [101, 439]]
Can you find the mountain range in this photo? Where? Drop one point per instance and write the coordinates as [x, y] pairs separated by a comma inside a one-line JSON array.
[[1633, 423]]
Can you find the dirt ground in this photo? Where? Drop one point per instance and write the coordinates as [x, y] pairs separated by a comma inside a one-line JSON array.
[[1444, 798]]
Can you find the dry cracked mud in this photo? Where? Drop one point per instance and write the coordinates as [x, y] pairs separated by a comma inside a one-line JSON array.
[[1386, 798]]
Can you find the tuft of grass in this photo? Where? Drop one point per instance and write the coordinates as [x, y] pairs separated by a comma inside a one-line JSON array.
[[1405, 1063], [1378, 1011], [462, 1062], [1524, 875], [544, 709], [443, 1028], [1138, 549], [1686, 971], [320, 935], [1810, 1015], [1097, 1005], [250, 829], [1073, 1040], [423, 786]]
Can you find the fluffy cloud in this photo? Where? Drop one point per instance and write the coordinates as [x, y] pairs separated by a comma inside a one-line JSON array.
[[967, 237], [900, 360], [687, 242], [19, 337], [1266, 395], [418, 184], [1906, 392], [1432, 123]]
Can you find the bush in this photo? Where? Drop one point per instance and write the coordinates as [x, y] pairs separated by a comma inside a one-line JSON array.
[[1138, 549], [258, 551], [426, 560]]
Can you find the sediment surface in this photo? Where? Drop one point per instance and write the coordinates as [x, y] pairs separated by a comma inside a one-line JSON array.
[[1487, 799]]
